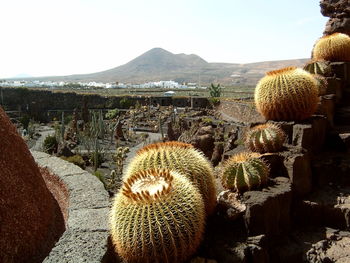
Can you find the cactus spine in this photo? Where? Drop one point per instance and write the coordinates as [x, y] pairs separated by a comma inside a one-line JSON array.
[[334, 47], [286, 94], [244, 171], [181, 157], [265, 138], [158, 216]]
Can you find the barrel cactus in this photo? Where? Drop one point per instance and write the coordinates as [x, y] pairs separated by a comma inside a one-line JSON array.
[[157, 216], [181, 157], [334, 47], [244, 171], [287, 94], [265, 138]]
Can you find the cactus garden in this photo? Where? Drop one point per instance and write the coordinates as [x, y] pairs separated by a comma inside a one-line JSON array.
[[133, 179]]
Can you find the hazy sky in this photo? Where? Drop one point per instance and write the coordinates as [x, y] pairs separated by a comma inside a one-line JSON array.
[[60, 37]]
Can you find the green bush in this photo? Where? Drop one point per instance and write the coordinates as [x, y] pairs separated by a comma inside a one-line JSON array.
[[50, 144], [125, 103], [75, 159], [111, 114], [24, 120]]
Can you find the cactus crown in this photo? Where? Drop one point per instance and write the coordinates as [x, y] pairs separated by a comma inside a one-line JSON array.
[[265, 138], [160, 145], [244, 171], [334, 47], [281, 71], [286, 94], [148, 185]]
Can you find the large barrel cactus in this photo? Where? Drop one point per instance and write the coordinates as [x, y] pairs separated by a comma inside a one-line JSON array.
[[158, 216], [265, 138], [244, 171], [181, 157], [335, 47], [287, 94]]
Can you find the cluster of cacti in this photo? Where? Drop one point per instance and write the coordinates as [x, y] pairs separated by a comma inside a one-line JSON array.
[[265, 138], [244, 171], [158, 216], [334, 47], [181, 157], [97, 126], [287, 94]]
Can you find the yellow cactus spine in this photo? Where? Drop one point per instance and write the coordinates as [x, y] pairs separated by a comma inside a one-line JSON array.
[[158, 216], [334, 47], [286, 94], [180, 157], [244, 171], [265, 138]]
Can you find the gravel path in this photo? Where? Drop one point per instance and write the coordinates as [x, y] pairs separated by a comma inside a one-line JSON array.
[[44, 131], [152, 137]]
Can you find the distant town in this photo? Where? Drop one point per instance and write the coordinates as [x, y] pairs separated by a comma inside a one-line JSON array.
[[168, 84]]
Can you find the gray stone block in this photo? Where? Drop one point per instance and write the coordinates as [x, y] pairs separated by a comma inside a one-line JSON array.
[[85, 239], [79, 247], [39, 155], [88, 219], [59, 167], [86, 191]]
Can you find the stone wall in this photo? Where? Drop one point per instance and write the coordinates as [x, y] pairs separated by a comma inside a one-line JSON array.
[[38, 102]]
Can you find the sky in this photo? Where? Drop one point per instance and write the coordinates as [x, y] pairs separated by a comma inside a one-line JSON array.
[[63, 37]]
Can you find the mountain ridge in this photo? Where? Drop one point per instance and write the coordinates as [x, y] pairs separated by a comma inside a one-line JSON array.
[[159, 64]]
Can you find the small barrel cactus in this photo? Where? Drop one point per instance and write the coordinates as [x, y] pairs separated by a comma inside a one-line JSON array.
[[265, 138], [320, 67], [334, 47], [181, 157], [287, 94], [244, 171], [157, 216]]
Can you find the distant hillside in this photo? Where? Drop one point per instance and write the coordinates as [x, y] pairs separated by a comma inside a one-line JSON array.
[[159, 64]]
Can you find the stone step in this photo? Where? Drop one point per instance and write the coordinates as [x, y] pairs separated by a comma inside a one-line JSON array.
[[327, 206]]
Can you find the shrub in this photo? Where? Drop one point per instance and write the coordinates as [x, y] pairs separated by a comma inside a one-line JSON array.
[[50, 144], [75, 159]]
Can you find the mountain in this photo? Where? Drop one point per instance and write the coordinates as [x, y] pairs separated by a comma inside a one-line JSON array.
[[22, 75], [159, 64]]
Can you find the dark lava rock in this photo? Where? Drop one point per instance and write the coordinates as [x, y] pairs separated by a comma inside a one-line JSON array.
[[327, 206], [268, 211]]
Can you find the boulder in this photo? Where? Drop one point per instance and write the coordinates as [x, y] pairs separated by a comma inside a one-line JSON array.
[[27, 208]]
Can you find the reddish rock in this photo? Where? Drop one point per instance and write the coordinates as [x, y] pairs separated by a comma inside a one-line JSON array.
[[339, 13], [27, 208]]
